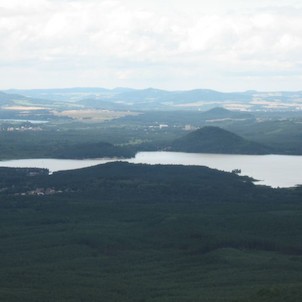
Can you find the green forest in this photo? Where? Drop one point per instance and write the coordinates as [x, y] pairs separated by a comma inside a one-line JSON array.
[[124, 232]]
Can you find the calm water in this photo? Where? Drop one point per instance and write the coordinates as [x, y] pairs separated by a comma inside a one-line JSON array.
[[54, 165], [272, 170]]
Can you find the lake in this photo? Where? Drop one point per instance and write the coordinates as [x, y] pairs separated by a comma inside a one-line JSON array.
[[271, 170]]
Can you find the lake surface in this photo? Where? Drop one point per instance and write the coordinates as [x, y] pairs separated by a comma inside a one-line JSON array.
[[271, 170], [54, 165]]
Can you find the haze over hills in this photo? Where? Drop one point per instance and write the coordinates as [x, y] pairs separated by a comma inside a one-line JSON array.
[[154, 121], [157, 99], [216, 140], [7, 98]]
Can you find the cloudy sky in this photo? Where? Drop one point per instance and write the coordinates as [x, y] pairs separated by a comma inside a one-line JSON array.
[[170, 44]]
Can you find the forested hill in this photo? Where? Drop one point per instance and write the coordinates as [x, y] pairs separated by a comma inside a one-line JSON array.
[[123, 181], [156, 183], [216, 140]]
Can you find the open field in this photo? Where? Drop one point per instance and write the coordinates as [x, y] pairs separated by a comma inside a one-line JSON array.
[[94, 115]]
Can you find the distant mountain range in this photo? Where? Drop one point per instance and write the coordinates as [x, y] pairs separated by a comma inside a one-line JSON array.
[[217, 140], [156, 99]]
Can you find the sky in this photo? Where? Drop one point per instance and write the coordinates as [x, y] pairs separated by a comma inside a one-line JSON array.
[[226, 45]]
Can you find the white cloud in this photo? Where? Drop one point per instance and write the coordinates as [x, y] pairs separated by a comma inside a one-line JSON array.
[[138, 42]]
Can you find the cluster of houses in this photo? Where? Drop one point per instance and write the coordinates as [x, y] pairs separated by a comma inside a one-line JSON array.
[[40, 192], [20, 128]]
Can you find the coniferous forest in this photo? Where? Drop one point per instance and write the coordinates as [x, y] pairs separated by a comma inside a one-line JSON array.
[[124, 232]]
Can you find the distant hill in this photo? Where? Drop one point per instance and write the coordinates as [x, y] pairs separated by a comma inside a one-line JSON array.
[[123, 98], [222, 113], [217, 140], [8, 99], [197, 119], [136, 99], [63, 94], [12, 98]]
